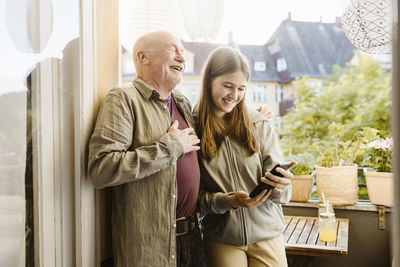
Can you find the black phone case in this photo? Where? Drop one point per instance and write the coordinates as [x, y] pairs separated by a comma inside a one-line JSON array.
[[261, 186]]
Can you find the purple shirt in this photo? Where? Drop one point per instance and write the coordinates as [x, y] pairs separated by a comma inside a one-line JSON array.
[[187, 170]]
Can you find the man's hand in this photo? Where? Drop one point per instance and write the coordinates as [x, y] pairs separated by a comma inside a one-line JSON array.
[[266, 111], [242, 199], [279, 183], [187, 137]]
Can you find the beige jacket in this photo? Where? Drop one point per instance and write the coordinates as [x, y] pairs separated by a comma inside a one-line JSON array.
[[131, 151], [233, 170]]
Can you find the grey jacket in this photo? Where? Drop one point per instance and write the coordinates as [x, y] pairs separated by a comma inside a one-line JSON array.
[[233, 170], [131, 151]]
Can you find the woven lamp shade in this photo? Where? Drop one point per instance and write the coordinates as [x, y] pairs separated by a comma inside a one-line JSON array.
[[138, 17], [367, 24], [202, 18]]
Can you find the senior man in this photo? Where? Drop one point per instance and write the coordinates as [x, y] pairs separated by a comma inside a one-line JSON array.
[[144, 147]]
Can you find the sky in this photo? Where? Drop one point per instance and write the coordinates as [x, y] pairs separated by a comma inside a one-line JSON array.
[[254, 21]]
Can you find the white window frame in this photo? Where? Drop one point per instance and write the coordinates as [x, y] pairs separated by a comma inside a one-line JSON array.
[[52, 239], [85, 106]]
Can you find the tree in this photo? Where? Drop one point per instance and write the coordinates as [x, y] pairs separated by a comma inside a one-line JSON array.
[[356, 96]]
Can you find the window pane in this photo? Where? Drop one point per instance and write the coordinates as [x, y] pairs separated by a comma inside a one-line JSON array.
[[31, 50]]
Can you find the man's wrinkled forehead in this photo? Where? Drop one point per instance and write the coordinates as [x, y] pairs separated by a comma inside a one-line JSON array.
[[163, 41]]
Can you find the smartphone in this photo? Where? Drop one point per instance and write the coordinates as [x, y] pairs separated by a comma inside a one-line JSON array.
[[261, 186]]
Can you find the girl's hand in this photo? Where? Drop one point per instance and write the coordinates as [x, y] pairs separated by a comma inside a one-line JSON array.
[[242, 199], [279, 183]]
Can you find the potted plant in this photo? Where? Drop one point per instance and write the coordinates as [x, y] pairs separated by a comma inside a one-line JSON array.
[[303, 178], [378, 171], [336, 173]]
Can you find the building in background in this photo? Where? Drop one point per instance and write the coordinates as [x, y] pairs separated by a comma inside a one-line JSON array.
[[307, 49], [296, 49]]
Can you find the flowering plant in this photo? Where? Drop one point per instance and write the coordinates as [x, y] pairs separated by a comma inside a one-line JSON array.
[[378, 155]]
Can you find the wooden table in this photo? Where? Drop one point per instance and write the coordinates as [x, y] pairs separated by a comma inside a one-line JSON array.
[[301, 238]]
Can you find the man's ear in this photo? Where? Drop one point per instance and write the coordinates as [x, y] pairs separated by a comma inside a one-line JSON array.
[[142, 57]]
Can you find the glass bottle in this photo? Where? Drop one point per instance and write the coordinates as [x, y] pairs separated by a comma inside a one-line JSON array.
[[327, 226]]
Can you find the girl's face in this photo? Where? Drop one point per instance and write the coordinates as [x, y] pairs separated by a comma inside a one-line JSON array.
[[227, 91]]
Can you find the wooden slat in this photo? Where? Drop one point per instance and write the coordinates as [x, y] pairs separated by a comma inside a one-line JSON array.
[[297, 231], [312, 240], [287, 219], [287, 222], [306, 231], [290, 228], [343, 231]]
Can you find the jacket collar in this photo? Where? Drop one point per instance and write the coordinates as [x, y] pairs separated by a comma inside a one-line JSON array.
[[177, 97], [255, 116], [148, 91], [143, 88]]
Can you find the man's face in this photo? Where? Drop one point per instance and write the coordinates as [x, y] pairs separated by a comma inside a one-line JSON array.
[[167, 62]]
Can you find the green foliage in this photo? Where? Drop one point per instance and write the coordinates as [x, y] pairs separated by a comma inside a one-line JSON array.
[[343, 153], [362, 193], [305, 164], [351, 99], [379, 154]]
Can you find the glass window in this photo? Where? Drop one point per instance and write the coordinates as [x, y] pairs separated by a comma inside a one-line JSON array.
[[278, 93], [281, 64], [260, 66], [36, 102], [260, 93]]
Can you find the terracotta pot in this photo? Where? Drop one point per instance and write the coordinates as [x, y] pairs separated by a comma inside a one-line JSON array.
[[380, 187], [339, 184], [301, 188]]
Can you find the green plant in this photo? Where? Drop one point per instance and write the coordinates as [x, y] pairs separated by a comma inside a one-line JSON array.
[[378, 155], [340, 153], [356, 96], [305, 164]]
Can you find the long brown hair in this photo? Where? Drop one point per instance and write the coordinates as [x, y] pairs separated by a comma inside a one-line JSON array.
[[223, 60]]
